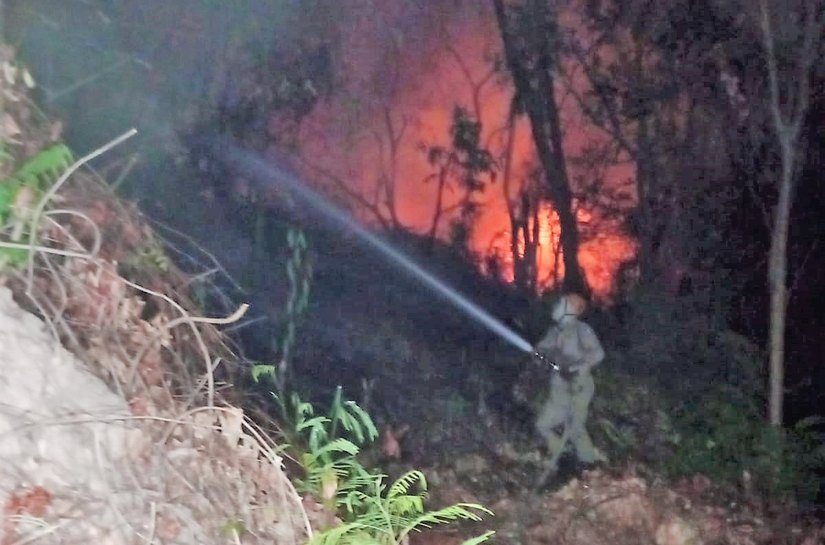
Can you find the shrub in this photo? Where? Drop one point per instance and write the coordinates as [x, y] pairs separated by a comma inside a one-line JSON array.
[[723, 440], [326, 449], [630, 418]]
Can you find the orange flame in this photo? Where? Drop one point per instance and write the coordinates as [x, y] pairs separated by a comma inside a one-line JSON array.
[[377, 146]]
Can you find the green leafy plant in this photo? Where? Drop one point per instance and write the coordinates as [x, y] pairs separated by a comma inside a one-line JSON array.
[[326, 449], [326, 446], [722, 440], [382, 515], [20, 191], [299, 274], [45, 166]]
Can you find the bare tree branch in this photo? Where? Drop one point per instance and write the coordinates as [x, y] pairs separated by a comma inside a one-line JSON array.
[[342, 186]]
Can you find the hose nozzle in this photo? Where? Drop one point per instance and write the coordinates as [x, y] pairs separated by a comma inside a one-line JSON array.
[[543, 359]]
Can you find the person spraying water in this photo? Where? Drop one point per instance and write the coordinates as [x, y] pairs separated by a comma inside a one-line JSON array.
[[570, 347], [575, 350]]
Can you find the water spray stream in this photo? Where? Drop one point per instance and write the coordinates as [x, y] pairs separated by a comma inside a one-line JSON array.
[[267, 174]]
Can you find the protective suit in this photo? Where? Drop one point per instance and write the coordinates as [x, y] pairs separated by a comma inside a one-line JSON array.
[[574, 347]]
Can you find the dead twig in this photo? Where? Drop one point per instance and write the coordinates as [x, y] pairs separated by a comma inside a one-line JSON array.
[[186, 318], [41, 205]]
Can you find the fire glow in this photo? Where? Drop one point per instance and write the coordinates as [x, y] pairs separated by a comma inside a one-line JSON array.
[[375, 149]]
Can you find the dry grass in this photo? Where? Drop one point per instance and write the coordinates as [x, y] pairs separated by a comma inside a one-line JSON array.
[[198, 470]]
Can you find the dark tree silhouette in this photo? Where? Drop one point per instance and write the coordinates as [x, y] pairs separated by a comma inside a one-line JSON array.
[[529, 34]]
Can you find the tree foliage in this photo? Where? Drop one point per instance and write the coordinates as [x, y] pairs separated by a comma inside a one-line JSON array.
[[466, 168]]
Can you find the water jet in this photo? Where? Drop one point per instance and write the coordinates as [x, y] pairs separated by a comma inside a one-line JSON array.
[[266, 173]]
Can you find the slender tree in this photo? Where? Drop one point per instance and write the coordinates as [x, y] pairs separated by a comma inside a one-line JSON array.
[[789, 92]]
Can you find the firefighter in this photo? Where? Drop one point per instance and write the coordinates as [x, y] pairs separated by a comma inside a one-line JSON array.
[[574, 349]]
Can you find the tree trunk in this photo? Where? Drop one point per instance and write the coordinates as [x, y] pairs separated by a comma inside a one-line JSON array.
[[788, 130], [777, 286], [536, 93], [394, 136], [531, 250], [439, 206], [514, 212], [644, 224]]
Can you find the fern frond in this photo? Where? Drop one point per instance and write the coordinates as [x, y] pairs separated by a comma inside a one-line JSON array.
[[315, 472], [339, 445], [36, 173], [352, 502], [480, 539], [318, 435], [405, 505], [352, 425], [364, 419], [360, 479], [321, 459], [44, 167], [301, 408], [314, 422], [339, 535], [459, 511], [377, 513], [403, 484]]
